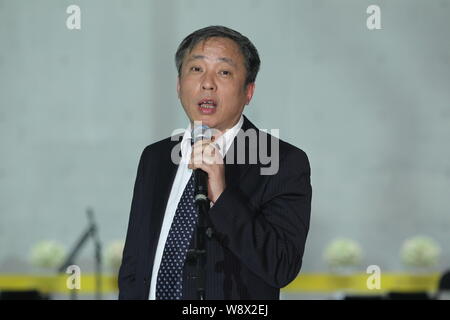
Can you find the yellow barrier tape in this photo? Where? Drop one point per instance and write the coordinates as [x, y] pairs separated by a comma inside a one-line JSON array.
[[319, 282], [57, 283], [307, 282]]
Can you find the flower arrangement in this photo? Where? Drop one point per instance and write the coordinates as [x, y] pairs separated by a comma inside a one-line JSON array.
[[47, 254], [113, 254], [343, 252], [420, 252]]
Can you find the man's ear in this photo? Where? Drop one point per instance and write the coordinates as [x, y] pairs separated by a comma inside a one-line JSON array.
[[178, 87], [250, 90]]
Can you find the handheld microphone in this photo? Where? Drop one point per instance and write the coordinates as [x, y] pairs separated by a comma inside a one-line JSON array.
[[200, 176]]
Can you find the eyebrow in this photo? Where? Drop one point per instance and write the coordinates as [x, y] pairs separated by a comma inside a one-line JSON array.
[[223, 59]]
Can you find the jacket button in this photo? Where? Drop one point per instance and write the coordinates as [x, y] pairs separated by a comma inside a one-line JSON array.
[[209, 232], [145, 281]]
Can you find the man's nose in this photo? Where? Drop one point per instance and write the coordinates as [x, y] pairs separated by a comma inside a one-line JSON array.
[[208, 82]]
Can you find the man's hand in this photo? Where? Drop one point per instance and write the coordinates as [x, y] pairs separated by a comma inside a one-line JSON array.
[[207, 157]]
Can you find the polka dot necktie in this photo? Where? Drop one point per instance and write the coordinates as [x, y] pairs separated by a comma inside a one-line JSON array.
[[170, 275]]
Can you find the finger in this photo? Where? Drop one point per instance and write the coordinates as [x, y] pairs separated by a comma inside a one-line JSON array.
[[203, 166], [202, 146], [203, 142], [197, 155], [199, 146], [205, 152], [209, 150]]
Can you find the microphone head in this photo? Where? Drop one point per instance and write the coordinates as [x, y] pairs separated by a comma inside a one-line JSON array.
[[200, 132]]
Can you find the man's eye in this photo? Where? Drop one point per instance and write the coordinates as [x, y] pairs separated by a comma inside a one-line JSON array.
[[195, 69], [225, 72]]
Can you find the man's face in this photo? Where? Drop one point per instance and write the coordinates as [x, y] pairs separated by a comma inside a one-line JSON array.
[[211, 83]]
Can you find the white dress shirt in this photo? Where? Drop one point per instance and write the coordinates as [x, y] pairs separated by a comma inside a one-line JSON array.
[[179, 184]]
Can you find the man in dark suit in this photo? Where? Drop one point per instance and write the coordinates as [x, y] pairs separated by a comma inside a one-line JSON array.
[[259, 210]]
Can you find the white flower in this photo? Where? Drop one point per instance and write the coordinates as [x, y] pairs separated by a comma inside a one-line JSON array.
[[47, 254], [420, 251], [343, 252], [113, 254]]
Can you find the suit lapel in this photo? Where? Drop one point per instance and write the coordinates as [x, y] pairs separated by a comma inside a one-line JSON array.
[[164, 174], [165, 171], [234, 170]]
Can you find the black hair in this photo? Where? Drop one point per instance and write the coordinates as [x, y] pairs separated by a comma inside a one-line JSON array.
[[248, 50]]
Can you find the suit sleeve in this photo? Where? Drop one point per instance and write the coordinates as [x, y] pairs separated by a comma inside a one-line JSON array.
[[127, 270], [269, 238]]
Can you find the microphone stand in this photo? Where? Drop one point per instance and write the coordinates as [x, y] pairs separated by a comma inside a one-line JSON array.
[[199, 252], [91, 231]]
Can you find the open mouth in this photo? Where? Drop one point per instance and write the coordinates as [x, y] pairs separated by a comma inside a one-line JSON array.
[[207, 106]]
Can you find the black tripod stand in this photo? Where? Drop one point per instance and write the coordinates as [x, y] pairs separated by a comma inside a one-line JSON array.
[[91, 231]]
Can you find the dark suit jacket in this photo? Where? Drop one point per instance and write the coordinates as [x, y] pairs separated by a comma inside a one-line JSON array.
[[260, 224]]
